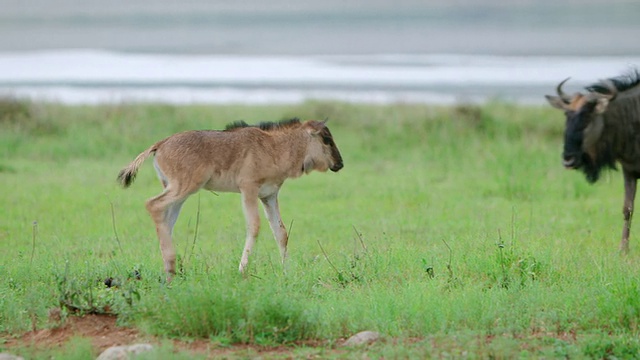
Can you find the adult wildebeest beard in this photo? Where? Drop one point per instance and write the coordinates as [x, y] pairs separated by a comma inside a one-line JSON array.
[[592, 169], [602, 128], [574, 157]]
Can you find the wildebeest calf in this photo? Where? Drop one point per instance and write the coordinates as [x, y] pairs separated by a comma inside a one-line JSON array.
[[252, 160], [602, 128]]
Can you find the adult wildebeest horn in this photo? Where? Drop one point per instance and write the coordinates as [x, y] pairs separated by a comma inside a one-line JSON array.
[[611, 87], [565, 98]]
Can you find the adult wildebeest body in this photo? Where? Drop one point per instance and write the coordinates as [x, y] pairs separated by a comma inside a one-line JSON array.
[[252, 160], [602, 128]]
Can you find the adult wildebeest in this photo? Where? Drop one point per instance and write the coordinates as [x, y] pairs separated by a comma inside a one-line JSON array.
[[252, 160], [602, 128]]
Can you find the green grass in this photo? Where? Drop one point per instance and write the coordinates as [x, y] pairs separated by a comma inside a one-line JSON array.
[[454, 231]]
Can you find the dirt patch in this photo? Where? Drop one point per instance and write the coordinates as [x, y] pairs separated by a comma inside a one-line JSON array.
[[101, 329], [103, 333]]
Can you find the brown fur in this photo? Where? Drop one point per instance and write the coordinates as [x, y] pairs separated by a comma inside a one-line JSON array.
[[254, 161]]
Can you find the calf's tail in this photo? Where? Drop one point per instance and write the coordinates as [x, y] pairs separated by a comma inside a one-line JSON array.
[[128, 174]]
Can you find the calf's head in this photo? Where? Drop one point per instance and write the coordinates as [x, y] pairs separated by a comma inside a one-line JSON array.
[[584, 127], [322, 152]]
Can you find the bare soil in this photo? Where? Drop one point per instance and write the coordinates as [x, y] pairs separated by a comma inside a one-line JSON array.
[[101, 329], [103, 333]]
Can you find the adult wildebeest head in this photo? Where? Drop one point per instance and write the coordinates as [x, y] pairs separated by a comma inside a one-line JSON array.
[[584, 127]]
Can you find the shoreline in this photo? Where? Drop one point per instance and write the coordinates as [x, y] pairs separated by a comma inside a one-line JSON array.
[[96, 76]]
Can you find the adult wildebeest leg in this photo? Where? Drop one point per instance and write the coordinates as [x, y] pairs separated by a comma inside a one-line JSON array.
[[630, 182], [164, 210], [252, 217], [272, 211]]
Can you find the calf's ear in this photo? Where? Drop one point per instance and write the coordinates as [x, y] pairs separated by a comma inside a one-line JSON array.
[[556, 102], [312, 130]]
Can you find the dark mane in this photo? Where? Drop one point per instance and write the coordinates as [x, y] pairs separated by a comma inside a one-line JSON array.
[[265, 125], [236, 125], [623, 82]]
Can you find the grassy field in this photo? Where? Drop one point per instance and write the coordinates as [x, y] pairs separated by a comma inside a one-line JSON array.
[[453, 231]]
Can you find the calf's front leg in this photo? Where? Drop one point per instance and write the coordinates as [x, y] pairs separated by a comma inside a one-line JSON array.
[[630, 183], [252, 217], [272, 211]]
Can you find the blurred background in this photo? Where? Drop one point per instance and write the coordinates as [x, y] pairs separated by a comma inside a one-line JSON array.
[[431, 51]]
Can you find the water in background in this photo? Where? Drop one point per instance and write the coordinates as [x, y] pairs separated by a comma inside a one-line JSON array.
[[284, 52]]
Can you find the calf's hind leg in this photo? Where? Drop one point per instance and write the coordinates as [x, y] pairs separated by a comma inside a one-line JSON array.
[[164, 210]]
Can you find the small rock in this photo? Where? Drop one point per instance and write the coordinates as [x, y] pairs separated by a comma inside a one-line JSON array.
[[362, 338], [7, 356], [123, 352]]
